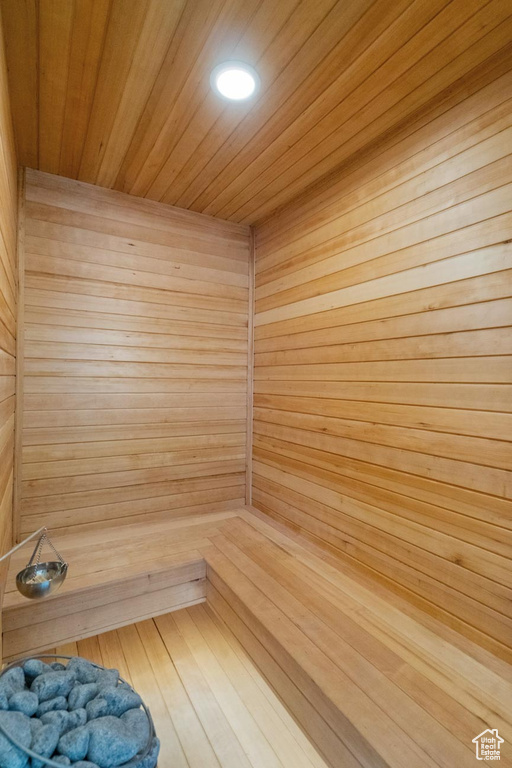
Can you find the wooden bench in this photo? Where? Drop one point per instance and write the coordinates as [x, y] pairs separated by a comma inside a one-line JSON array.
[[372, 680], [117, 575]]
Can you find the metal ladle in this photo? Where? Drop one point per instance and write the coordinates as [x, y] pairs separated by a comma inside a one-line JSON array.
[[38, 580]]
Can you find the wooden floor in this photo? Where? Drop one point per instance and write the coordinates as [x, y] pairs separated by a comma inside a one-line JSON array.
[[372, 680], [211, 706]]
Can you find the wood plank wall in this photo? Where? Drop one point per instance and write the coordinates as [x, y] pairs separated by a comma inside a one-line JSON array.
[[135, 358], [8, 276], [383, 397]]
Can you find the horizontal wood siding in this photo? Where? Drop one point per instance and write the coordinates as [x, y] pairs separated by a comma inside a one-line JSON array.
[[135, 358], [383, 376]]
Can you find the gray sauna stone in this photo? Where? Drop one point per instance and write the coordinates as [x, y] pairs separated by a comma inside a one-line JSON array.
[[124, 686], [59, 702], [12, 681], [112, 742], [84, 713], [34, 667], [148, 761], [44, 743], [64, 720], [82, 670], [98, 707], [74, 744], [24, 701], [84, 764], [76, 718], [18, 725], [35, 726], [120, 700], [138, 724], [81, 695], [62, 759], [52, 684], [107, 678], [59, 718]]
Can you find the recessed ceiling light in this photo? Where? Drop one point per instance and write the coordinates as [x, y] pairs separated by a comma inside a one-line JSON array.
[[234, 80]]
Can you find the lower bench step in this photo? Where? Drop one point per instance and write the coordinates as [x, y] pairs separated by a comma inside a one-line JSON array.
[[82, 612]]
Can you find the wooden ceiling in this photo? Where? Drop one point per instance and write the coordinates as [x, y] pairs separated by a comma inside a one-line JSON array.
[[116, 92]]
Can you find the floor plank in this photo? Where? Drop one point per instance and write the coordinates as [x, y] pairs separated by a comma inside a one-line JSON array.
[[211, 707]]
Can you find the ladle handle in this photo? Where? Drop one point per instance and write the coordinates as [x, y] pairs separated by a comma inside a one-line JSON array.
[[21, 544]]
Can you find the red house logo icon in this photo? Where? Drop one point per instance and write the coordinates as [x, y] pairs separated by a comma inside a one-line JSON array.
[[488, 745]]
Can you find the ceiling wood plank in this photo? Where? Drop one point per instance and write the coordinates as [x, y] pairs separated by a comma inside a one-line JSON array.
[[402, 67], [120, 44], [19, 22], [117, 94], [87, 40], [155, 36], [55, 26]]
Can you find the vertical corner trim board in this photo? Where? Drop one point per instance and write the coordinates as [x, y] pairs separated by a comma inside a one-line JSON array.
[[135, 358], [382, 384], [8, 280]]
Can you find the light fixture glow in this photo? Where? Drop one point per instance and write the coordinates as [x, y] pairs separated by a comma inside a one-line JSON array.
[[234, 80]]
